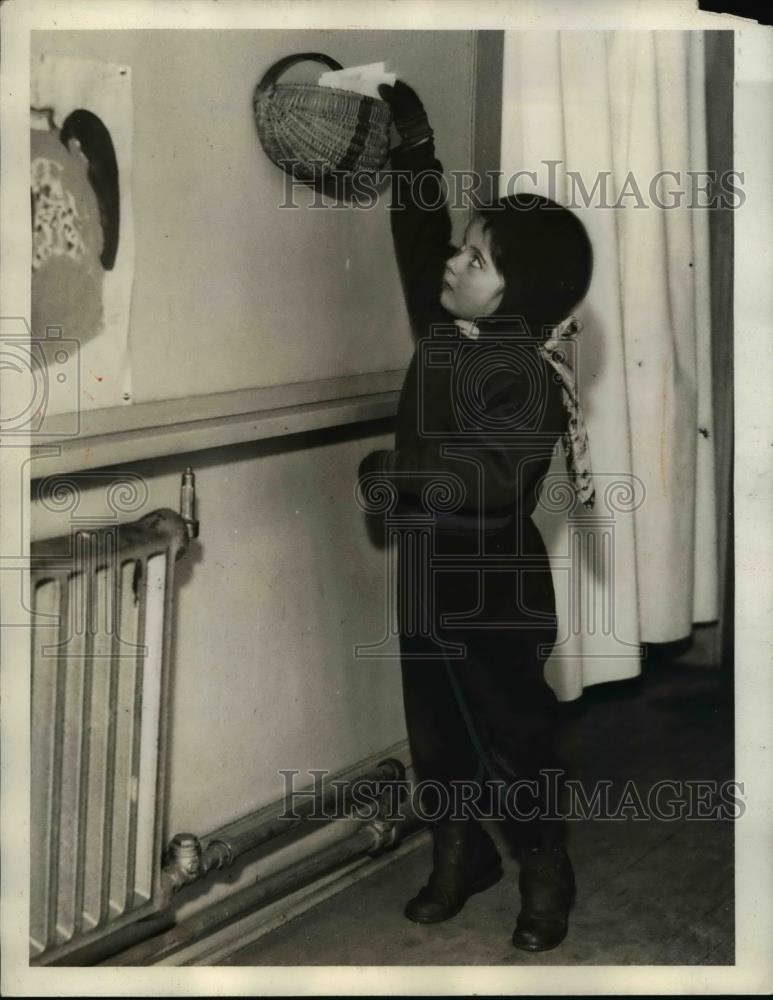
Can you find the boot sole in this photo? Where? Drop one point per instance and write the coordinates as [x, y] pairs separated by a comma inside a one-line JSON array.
[[485, 881], [548, 947], [533, 949]]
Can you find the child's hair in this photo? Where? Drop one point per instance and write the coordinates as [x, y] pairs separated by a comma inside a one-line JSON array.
[[542, 251]]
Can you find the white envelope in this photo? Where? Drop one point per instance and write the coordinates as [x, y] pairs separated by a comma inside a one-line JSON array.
[[360, 79]]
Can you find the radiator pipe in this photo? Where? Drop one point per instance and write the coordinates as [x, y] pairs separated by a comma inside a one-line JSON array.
[[188, 503], [373, 838], [187, 858]]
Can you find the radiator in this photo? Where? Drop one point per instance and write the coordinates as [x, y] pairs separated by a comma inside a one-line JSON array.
[[102, 613]]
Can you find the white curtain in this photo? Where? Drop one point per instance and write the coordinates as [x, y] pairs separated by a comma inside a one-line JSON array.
[[616, 108]]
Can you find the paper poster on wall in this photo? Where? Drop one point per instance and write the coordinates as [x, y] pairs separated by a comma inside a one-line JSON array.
[[82, 231]]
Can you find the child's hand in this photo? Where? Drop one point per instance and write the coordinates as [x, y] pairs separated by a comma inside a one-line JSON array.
[[410, 118]]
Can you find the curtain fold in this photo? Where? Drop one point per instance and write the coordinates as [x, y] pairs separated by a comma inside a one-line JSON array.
[[596, 120]]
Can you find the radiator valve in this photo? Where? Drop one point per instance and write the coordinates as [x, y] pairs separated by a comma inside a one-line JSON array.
[[182, 863]]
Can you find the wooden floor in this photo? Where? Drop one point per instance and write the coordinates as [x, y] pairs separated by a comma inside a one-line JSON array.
[[649, 892]]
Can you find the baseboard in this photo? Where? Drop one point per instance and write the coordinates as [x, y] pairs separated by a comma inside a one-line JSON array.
[[243, 933], [247, 927]]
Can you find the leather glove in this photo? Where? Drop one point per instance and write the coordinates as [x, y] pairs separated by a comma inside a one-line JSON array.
[[408, 114], [377, 461]]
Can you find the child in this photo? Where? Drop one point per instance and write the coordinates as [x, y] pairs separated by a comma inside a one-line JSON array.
[[501, 400]]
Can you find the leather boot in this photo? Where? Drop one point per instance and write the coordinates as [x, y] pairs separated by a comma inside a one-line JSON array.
[[547, 890], [464, 861]]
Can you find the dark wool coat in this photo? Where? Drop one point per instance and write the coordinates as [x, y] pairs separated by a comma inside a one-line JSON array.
[[494, 402]]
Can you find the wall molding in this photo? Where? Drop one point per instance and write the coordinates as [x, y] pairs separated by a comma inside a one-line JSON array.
[[119, 435]]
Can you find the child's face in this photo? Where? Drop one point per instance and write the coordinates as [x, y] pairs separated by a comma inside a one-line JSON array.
[[472, 286]]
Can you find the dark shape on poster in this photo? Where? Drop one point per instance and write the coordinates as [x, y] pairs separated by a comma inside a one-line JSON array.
[[97, 146], [75, 205]]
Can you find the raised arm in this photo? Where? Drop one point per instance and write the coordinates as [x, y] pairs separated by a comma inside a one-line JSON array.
[[421, 226]]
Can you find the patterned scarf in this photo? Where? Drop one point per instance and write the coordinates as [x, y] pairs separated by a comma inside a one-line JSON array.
[[575, 437]]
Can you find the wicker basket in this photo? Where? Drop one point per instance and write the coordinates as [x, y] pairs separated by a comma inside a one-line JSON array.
[[310, 131]]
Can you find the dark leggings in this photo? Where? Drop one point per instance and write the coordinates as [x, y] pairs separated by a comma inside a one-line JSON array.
[[510, 727]]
